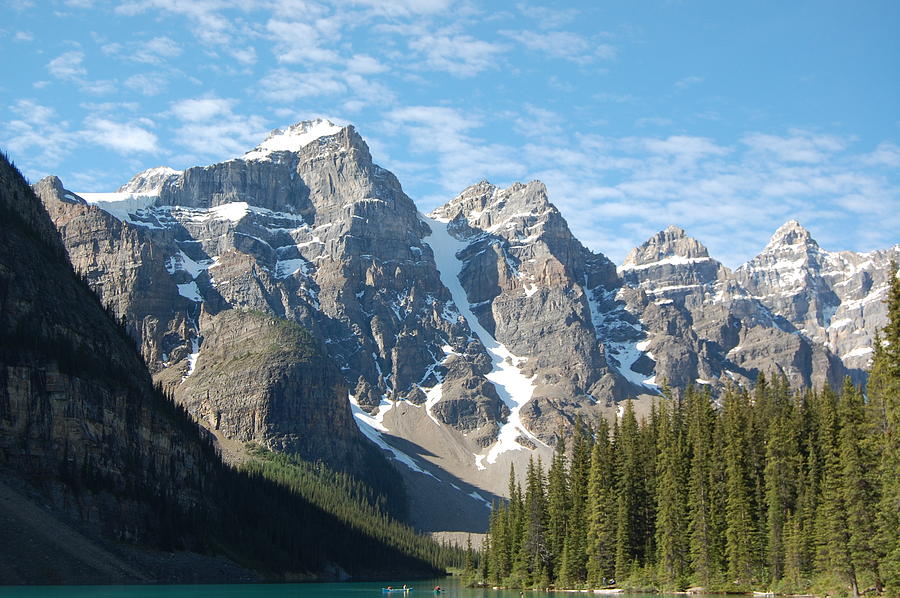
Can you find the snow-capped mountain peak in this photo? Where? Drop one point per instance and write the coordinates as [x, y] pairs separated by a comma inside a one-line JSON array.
[[293, 138], [788, 234], [670, 246], [150, 181]]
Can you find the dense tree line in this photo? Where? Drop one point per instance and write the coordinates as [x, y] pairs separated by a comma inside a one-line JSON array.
[[790, 490], [354, 503]]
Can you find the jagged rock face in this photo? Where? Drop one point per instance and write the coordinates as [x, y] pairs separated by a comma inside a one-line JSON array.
[[833, 298], [149, 181], [672, 261], [263, 379], [488, 318], [125, 269], [708, 324], [530, 283], [316, 234], [75, 399]]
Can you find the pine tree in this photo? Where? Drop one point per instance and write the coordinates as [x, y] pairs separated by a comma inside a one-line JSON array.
[[793, 572], [884, 397], [670, 501], [833, 550], [781, 460], [649, 437], [701, 487], [824, 408], [601, 561], [469, 567], [629, 495], [860, 484], [573, 569], [516, 532], [557, 506], [535, 549], [497, 544], [739, 530]]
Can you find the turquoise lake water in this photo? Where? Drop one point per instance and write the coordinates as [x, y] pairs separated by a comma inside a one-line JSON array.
[[421, 589]]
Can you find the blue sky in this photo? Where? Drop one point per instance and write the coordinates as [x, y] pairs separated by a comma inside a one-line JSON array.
[[726, 118]]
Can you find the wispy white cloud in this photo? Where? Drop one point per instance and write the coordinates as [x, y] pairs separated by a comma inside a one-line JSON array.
[[547, 17], [201, 109], [122, 137], [653, 121], [37, 136], [445, 134], [209, 127], [886, 154], [68, 66], [283, 85], [688, 82], [539, 123], [299, 42], [148, 84], [562, 44], [798, 146], [461, 55], [209, 23], [364, 64], [156, 50], [404, 8]]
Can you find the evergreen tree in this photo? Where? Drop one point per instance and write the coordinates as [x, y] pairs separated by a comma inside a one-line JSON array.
[[833, 551], [828, 507], [601, 561], [573, 569], [781, 460], [557, 506], [535, 549], [516, 532], [739, 531], [701, 487], [884, 396], [649, 438], [860, 484], [469, 567], [630, 495], [670, 501], [499, 549], [793, 563]]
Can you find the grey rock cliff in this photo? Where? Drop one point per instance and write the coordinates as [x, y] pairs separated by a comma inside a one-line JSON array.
[[536, 330]]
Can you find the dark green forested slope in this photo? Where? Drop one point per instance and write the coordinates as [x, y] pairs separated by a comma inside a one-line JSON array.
[[81, 422], [776, 489]]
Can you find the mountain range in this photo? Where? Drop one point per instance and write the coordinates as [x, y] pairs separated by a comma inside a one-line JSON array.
[[296, 298], [105, 479]]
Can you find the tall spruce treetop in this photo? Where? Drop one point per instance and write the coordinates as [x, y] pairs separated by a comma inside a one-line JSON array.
[[884, 397]]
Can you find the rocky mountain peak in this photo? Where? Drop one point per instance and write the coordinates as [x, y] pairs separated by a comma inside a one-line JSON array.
[[669, 246], [500, 211], [150, 181], [789, 234], [51, 186], [293, 138]]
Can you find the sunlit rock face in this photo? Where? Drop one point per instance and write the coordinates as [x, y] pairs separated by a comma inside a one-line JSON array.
[[459, 341]]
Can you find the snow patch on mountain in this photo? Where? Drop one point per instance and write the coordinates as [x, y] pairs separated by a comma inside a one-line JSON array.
[[673, 260], [293, 138], [372, 427], [514, 389], [150, 181], [120, 205], [190, 291]]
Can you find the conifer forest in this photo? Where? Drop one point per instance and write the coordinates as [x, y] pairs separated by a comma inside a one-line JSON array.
[[773, 489]]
